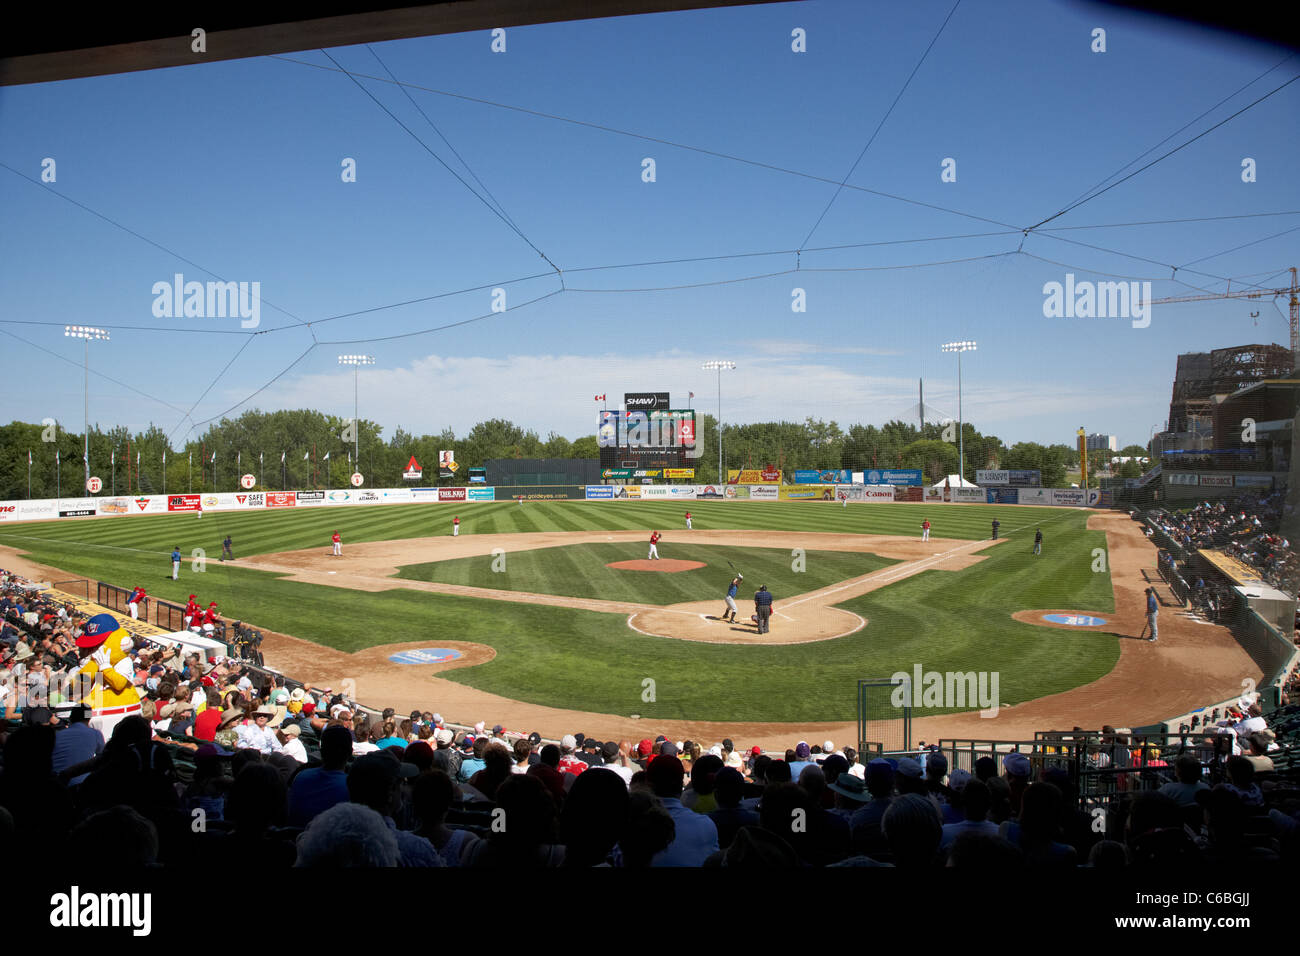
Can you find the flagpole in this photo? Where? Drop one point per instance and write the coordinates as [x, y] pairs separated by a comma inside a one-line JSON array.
[[164, 472], [112, 467], [29, 474]]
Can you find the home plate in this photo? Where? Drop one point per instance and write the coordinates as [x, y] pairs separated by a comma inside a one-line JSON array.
[[333, 572]]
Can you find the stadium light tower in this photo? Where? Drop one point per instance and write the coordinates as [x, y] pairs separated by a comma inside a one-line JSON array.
[[356, 361], [719, 365], [959, 347], [86, 333]]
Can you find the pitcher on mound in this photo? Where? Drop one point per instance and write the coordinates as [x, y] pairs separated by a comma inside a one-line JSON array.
[[654, 549]]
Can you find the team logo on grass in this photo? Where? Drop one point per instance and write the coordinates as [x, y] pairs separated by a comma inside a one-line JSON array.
[[1075, 620], [425, 655]]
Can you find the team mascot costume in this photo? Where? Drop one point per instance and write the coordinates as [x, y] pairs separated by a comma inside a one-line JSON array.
[[106, 673]]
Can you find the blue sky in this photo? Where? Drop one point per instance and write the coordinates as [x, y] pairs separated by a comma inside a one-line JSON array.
[[235, 166]]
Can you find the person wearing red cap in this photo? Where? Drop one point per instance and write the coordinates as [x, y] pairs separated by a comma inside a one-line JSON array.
[[210, 618], [192, 612], [455, 526], [338, 545]]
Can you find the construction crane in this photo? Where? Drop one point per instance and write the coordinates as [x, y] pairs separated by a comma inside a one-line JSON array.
[[1293, 292]]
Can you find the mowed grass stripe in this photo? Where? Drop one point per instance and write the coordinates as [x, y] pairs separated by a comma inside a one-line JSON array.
[[261, 531], [581, 570]]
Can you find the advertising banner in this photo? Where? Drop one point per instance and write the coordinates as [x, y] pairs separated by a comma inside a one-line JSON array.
[[933, 494], [423, 494], [877, 493], [668, 491], [728, 491], [253, 499], [480, 494], [908, 493], [1036, 496], [893, 476], [451, 494], [1176, 478], [621, 473], [627, 491], [599, 491], [1074, 497], [648, 473], [1215, 481], [968, 495], [39, 509], [281, 499], [339, 497], [1254, 481], [185, 502], [808, 493], [8, 510], [754, 476], [1094, 497], [447, 463], [679, 473], [115, 506], [413, 470], [369, 498], [763, 492], [1003, 496], [830, 477], [644, 401], [852, 492], [710, 491], [210, 502], [1014, 478], [311, 498]]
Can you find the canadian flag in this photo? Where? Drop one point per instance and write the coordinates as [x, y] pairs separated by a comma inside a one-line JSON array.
[[600, 398]]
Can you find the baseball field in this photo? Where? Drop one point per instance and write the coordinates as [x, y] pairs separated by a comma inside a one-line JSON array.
[[549, 625]]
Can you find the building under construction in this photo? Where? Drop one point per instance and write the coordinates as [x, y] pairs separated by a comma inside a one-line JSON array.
[[1200, 376]]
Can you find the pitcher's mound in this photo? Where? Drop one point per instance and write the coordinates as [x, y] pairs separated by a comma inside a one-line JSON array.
[[663, 564]]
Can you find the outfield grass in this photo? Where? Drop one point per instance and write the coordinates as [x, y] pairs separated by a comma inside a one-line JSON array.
[[290, 529], [580, 570], [584, 660]]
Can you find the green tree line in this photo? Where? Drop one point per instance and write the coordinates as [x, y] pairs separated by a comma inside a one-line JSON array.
[[317, 451]]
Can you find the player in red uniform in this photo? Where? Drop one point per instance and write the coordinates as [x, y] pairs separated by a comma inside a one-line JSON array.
[[654, 550], [455, 526], [688, 521], [134, 601], [193, 613], [210, 618], [338, 545], [925, 530]]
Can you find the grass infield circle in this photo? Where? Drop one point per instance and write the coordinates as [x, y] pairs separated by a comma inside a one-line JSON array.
[[667, 565]]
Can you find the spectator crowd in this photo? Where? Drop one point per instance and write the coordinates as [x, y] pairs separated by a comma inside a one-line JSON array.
[[228, 759]]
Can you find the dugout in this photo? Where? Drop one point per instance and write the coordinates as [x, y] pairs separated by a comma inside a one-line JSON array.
[[542, 471]]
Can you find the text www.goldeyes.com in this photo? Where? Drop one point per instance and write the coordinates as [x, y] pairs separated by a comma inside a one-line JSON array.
[[1203, 923]]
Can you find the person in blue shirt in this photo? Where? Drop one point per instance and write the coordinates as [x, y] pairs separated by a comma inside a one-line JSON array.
[[763, 608], [729, 612], [1153, 608], [176, 562]]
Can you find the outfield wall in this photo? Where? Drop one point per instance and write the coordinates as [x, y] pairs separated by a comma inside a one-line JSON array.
[[189, 503]]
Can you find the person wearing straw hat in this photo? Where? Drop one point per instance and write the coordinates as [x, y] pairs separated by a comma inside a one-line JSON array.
[[258, 735]]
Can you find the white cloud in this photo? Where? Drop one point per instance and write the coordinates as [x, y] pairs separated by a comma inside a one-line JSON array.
[[555, 393]]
